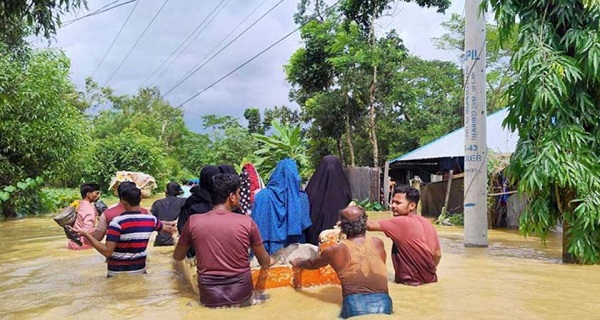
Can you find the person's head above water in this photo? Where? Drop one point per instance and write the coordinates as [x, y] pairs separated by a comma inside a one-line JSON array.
[[353, 221]]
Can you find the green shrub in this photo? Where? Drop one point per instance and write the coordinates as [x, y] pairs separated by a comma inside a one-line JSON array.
[[370, 205]]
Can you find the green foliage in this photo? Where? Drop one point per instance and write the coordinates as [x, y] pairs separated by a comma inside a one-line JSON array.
[[285, 142], [554, 105], [499, 75], [24, 197], [20, 18], [42, 127], [57, 198], [370, 205], [128, 151]]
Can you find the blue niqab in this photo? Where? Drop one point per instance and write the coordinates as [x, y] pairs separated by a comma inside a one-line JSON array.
[[281, 210]]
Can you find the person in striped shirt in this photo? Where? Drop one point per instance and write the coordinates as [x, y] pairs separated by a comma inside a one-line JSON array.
[[127, 236]]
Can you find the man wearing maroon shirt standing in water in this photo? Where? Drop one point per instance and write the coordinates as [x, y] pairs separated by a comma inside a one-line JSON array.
[[416, 250], [221, 240]]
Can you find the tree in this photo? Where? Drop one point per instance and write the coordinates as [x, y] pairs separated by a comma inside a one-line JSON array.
[[365, 14], [498, 72], [554, 103], [253, 117], [41, 126], [42, 16], [229, 141]]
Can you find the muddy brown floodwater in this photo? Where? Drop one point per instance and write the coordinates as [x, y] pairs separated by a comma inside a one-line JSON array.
[[514, 278]]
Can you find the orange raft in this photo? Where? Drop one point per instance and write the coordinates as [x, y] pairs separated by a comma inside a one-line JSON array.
[[282, 275]]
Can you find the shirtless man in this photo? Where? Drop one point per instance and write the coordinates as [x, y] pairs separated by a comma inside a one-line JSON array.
[[359, 262]]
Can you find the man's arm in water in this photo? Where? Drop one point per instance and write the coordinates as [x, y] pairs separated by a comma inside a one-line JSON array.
[[180, 251], [437, 256]]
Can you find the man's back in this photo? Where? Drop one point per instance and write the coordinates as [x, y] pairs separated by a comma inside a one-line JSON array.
[[131, 231], [365, 271], [221, 239], [167, 209]]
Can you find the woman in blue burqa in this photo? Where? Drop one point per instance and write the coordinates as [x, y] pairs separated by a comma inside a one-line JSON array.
[[328, 192], [281, 209]]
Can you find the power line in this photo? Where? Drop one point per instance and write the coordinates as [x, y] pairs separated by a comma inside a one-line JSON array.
[[181, 81], [251, 59], [136, 42], [240, 66], [98, 11], [222, 40], [115, 39], [181, 45]]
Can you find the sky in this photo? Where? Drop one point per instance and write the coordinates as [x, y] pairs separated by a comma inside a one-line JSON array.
[[259, 84]]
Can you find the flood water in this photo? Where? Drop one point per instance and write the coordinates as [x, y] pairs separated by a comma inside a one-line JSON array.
[[514, 278]]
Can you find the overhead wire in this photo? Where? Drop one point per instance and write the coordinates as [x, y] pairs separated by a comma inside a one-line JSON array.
[[103, 9], [181, 45], [115, 39], [182, 80], [136, 42], [222, 40], [251, 59]]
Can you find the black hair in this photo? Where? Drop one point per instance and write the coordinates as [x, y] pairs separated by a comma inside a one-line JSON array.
[[132, 196], [223, 185], [173, 189], [124, 186], [411, 194], [88, 187], [356, 227]]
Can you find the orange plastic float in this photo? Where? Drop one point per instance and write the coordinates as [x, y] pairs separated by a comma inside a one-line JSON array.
[[280, 275]]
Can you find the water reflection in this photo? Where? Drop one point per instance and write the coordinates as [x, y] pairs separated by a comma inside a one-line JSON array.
[[513, 278]]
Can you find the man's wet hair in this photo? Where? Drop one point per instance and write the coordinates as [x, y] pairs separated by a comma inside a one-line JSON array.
[[85, 188], [356, 227], [411, 194], [223, 185], [173, 189], [132, 196], [124, 186]]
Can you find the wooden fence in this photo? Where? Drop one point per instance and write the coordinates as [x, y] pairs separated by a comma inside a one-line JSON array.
[[364, 182]]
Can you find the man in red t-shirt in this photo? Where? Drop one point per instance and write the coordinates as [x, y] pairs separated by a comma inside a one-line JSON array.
[[221, 240], [416, 250]]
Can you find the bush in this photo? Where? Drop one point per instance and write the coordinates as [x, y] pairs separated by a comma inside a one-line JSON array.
[[58, 198], [370, 206]]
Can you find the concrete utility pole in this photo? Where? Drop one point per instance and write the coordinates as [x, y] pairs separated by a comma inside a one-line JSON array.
[[475, 181]]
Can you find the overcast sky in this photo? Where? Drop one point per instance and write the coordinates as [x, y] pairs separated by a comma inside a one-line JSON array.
[[261, 83]]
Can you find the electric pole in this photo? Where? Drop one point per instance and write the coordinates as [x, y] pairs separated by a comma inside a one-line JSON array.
[[475, 181]]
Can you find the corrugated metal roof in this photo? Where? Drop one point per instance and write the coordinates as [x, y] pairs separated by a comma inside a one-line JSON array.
[[499, 140]]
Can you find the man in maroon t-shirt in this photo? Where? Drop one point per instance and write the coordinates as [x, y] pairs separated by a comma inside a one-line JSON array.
[[221, 240], [416, 250]]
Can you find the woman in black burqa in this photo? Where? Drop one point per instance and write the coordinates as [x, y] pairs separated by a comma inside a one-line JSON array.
[[200, 200], [328, 192]]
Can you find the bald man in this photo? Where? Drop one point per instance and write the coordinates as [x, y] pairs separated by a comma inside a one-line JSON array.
[[359, 262]]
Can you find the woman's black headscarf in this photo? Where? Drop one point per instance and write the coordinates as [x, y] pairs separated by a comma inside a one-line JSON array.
[[199, 201], [328, 192]]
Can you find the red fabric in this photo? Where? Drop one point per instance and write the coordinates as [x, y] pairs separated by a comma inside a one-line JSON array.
[[415, 241], [116, 210], [254, 180], [221, 240]]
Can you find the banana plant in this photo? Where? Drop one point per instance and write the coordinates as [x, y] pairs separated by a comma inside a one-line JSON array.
[[285, 142]]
